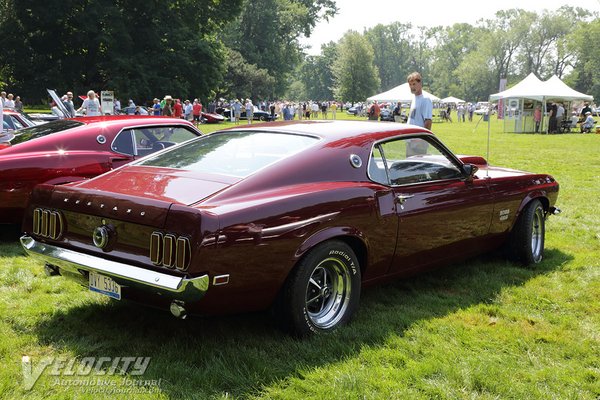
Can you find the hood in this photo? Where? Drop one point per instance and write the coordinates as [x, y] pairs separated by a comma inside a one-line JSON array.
[[164, 184]]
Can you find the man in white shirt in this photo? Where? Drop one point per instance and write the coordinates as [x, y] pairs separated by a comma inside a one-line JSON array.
[[421, 109]]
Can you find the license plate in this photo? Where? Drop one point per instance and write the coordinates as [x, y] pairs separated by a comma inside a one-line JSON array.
[[105, 285]]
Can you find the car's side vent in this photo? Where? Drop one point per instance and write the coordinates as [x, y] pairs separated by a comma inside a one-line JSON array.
[[48, 223], [170, 251]]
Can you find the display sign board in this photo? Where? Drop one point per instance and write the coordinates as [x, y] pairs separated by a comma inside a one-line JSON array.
[[107, 102]]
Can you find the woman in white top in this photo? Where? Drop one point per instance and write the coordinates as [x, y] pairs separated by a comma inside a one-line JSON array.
[[91, 105]]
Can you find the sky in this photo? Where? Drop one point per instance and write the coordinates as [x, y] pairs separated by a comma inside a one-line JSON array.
[[360, 14]]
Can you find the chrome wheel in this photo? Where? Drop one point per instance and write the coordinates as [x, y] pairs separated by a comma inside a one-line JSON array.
[[328, 293], [537, 234], [323, 291]]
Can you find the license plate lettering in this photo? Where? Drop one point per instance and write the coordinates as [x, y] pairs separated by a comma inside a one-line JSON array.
[[104, 285]]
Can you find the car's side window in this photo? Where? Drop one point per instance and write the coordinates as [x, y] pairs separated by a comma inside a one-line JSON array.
[[123, 143], [415, 160], [147, 140], [377, 171]]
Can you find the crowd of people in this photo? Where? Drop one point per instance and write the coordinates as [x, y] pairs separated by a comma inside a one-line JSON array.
[[192, 110]]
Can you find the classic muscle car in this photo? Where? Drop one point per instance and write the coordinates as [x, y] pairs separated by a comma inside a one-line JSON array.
[[297, 216], [73, 149]]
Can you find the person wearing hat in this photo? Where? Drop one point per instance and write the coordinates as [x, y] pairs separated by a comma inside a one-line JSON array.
[[167, 109], [236, 108], [588, 124], [156, 108], [249, 110], [188, 109]]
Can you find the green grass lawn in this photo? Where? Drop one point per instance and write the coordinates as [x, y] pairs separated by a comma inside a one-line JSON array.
[[484, 328]]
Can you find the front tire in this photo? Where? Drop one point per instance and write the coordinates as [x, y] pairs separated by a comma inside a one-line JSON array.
[[323, 291], [526, 242]]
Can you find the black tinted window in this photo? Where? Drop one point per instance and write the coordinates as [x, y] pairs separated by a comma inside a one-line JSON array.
[[43, 130]]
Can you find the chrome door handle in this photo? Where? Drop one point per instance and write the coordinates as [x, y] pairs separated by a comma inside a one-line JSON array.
[[401, 198]]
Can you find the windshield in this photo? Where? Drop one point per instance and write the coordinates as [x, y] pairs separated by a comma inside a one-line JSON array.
[[45, 129], [237, 154]]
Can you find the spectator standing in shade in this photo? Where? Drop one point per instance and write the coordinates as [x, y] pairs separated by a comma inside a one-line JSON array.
[[249, 110], [167, 109], [537, 118], [236, 111], [188, 111], [586, 108], [178, 109], [156, 108], [333, 107], [18, 104], [117, 107], [68, 103], [9, 102], [91, 105]]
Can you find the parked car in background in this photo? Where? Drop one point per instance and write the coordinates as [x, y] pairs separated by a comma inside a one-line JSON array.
[[212, 118], [14, 120], [386, 114], [68, 150], [258, 115], [296, 216]]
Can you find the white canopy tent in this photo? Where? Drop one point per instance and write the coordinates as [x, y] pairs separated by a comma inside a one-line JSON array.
[[400, 93], [520, 99], [452, 99]]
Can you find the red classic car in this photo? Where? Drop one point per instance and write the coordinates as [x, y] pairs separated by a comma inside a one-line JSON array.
[[294, 215], [73, 149]]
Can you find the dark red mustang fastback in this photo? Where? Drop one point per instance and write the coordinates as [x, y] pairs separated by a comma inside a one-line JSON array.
[[74, 149], [297, 216]]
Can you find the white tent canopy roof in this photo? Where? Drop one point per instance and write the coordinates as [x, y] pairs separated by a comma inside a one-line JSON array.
[[452, 99], [533, 88], [400, 93]]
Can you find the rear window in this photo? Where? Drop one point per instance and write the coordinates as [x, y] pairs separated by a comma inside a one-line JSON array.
[[236, 154], [44, 129]]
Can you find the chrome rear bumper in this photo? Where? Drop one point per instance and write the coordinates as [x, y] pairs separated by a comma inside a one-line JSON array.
[[175, 287]]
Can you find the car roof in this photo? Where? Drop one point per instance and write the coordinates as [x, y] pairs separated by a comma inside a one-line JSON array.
[[131, 120], [331, 131]]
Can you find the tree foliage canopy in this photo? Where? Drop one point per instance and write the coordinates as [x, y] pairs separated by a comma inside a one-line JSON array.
[[139, 48], [355, 75]]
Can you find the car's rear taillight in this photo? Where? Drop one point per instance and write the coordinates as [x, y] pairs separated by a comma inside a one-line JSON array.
[[170, 251], [48, 223]]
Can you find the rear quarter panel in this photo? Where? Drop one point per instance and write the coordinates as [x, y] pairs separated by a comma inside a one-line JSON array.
[[262, 237]]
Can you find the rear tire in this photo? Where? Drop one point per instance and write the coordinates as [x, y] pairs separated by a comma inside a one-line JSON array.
[[526, 242], [322, 292]]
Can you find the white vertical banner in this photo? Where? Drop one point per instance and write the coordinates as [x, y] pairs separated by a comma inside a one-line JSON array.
[[107, 102]]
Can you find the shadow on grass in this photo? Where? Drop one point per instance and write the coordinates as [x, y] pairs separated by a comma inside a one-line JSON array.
[[207, 357], [9, 241]]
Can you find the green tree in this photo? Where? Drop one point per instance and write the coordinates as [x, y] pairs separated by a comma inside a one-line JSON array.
[[355, 75], [392, 52], [139, 49], [243, 79], [585, 44], [266, 34], [453, 44], [316, 74]]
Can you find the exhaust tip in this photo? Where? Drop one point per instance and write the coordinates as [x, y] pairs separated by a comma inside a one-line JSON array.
[[178, 310]]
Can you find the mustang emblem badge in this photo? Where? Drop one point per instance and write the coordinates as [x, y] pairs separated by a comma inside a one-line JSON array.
[[101, 236]]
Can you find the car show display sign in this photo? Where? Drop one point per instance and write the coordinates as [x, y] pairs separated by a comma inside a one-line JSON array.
[[107, 102]]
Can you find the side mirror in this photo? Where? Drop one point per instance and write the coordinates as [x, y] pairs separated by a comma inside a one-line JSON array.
[[470, 170]]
